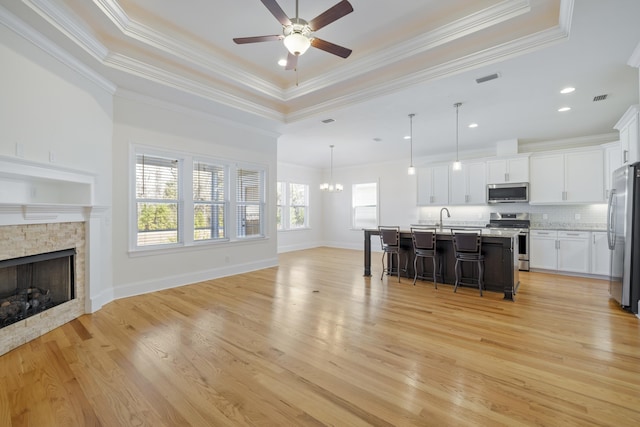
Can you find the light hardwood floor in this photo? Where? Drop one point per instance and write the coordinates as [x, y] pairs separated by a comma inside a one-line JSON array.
[[313, 342]]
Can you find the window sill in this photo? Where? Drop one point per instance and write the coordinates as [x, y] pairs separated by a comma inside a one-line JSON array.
[[286, 230], [195, 246]]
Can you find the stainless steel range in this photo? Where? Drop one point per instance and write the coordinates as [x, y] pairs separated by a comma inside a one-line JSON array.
[[511, 221]]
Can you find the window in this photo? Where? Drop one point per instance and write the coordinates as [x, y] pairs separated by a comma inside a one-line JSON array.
[[280, 196], [249, 202], [182, 200], [365, 205], [157, 200], [209, 201], [293, 206]]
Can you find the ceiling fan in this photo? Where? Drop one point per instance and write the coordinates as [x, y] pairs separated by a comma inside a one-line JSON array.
[[298, 33]]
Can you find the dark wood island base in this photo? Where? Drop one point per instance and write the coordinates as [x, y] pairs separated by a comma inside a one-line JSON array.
[[499, 247]]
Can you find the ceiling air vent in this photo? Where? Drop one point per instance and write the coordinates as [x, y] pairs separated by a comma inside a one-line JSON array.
[[487, 78], [599, 98], [328, 121]]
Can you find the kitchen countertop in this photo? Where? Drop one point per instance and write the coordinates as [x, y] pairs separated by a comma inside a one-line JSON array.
[[564, 226]]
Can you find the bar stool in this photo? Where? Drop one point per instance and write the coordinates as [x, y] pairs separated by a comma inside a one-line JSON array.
[[467, 245], [390, 242], [424, 246]]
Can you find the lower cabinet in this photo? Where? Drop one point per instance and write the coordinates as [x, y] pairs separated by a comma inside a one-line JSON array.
[[574, 251], [543, 248], [569, 251], [600, 253]]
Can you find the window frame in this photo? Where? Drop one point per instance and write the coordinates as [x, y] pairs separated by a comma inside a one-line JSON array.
[[186, 203], [287, 205], [354, 207]]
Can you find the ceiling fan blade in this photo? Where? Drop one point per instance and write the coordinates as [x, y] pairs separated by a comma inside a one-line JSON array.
[[257, 39], [342, 52], [332, 14], [292, 62], [277, 11]]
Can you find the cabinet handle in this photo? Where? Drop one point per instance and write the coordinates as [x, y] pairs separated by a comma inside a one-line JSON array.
[[573, 234], [557, 244], [594, 238], [542, 232], [506, 176], [430, 199], [466, 198], [625, 156]]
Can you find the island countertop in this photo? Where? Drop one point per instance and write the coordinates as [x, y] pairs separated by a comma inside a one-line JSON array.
[[499, 246]]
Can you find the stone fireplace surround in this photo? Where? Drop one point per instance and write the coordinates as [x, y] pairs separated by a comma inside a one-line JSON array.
[[33, 239], [44, 208]]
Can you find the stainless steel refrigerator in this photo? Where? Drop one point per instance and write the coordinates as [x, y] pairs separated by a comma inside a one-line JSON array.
[[623, 232]]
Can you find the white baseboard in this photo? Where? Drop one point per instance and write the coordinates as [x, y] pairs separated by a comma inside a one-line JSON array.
[[169, 282]]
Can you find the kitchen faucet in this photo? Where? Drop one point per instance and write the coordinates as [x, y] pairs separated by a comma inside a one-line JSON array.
[[448, 216]]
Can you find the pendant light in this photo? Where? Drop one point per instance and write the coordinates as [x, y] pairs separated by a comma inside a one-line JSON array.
[[457, 165], [411, 170], [331, 186]]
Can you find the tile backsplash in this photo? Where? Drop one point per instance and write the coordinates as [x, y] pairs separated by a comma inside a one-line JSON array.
[[542, 216]]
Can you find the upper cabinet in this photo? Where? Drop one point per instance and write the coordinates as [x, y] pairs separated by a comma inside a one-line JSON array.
[[433, 185], [571, 177], [612, 161], [628, 126], [468, 185], [502, 171]]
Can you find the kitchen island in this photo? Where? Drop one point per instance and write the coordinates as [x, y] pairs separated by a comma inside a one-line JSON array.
[[500, 249]]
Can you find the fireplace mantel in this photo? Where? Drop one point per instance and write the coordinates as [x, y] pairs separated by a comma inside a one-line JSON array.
[[34, 194]]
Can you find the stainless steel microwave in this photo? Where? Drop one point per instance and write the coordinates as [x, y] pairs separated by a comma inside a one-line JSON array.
[[517, 192]]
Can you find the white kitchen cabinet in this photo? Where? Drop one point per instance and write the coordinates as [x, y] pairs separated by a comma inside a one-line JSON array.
[[468, 185], [628, 126], [570, 177], [501, 171], [543, 249], [574, 251], [433, 185], [612, 161], [600, 253]]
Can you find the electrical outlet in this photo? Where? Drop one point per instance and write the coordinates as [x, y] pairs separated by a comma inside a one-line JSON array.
[[52, 156], [19, 150]]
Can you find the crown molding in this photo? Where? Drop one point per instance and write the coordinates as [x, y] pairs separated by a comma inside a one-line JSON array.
[[25, 31], [191, 112], [634, 60], [150, 37], [165, 78], [560, 144], [469, 62], [460, 28]]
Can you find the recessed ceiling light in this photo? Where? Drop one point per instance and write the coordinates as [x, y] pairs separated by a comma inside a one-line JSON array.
[[282, 62], [473, 125], [568, 90], [407, 137], [377, 139], [563, 109], [326, 121]]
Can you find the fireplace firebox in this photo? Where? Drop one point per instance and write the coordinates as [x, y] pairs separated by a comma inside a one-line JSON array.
[[32, 284]]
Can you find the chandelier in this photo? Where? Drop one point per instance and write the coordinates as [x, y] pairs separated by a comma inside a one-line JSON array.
[[331, 186]]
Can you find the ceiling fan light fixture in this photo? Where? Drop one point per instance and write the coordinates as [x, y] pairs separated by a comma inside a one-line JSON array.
[[297, 43]]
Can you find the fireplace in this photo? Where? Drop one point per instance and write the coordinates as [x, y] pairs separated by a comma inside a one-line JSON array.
[[49, 209], [32, 284]]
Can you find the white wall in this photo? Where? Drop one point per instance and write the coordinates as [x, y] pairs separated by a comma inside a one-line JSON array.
[[151, 123], [50, 113], [292, 240], [396, 205]]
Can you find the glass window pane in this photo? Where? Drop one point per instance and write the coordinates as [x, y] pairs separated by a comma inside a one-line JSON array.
[[157, 223], [156, 178], [297, 217], [249, 221], [208, 222]]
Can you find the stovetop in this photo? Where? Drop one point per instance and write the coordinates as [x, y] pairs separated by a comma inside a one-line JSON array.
[[508, 220]]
